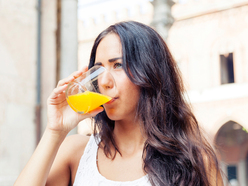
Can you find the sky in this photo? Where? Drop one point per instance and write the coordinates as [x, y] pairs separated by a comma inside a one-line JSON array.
[[95, 8]]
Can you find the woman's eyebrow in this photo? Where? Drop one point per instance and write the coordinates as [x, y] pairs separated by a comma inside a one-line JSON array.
[[110, 60], [114, 59]]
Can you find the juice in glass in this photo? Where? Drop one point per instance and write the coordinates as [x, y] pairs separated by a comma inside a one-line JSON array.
[[87, 101]]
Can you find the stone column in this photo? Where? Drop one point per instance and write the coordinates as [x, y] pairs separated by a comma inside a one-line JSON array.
[[162, 18], [69, 40], [242, 172]]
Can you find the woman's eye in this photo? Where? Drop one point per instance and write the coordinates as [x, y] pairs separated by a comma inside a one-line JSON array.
[[117, 65]]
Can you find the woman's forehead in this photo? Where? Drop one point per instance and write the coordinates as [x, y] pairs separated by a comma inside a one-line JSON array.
[[109, 47]]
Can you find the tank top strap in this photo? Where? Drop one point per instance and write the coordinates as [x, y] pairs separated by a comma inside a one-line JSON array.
[[87, 161]]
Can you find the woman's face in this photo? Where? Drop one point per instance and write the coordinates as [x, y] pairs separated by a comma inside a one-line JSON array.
[[109, 55]]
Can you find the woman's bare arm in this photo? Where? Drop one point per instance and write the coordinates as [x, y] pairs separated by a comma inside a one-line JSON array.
[[61, 119], [64, 168], [37, 169]]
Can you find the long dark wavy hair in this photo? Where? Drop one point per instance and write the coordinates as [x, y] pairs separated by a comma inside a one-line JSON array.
[[175, 151]]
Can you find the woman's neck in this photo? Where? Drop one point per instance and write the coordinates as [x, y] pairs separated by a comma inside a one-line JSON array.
[[129, 136]]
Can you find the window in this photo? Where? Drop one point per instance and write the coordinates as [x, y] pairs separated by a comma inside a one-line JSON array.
[[226, 68], [232, 172]]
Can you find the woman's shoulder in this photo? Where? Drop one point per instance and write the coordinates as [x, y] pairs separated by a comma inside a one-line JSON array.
[[74, 147], [68, 157], [77, 139], [71, 149], [75, 144]]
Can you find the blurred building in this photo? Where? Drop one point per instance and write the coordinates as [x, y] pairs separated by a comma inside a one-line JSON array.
[[17, 82], [31, 38], [209, 41], [115, 11]]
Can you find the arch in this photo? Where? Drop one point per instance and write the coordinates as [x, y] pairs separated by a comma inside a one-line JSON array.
[[221, 121], [231, 126], [232, 147], [228, 127]]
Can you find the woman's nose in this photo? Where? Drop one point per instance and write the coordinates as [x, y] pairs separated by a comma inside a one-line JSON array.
[[106, 81]]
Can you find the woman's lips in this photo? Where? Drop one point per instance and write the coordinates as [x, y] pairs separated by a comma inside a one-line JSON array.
[[111, 101]]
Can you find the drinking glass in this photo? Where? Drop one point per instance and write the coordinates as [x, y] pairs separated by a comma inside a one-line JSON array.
[[91, 90]]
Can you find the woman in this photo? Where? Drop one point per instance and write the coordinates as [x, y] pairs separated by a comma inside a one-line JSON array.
[[147, 135]]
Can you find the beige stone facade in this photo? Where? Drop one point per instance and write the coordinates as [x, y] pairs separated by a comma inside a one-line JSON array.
[[18, 59], [17, 81], [204, 30]]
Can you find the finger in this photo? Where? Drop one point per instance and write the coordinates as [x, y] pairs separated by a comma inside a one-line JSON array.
[[76, 73], [65, 81], [84, 69], [73, 76], [70, 78], [90, 114], [57, 91]]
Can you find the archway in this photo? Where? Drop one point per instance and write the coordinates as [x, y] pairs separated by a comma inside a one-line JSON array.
[[232, 146]]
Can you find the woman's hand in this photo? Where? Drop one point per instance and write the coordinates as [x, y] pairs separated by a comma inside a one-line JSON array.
[[61, 117]]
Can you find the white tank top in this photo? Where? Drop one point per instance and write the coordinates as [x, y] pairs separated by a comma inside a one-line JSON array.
[[88, 174]]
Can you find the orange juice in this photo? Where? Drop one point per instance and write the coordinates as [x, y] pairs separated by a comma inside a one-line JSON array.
[[87, 101]]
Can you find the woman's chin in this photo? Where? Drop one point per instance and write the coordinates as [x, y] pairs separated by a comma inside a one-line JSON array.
[[111, 113]]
